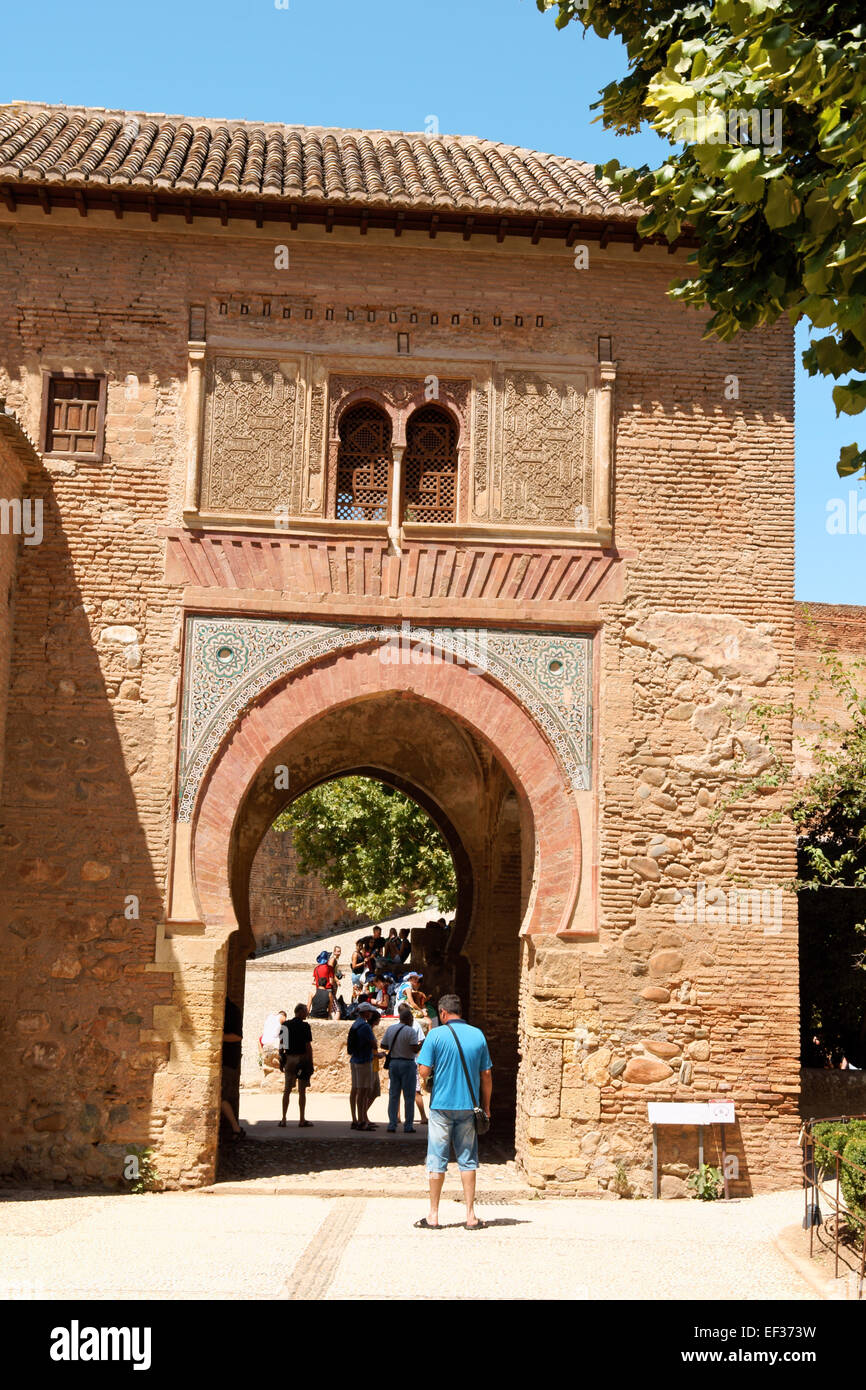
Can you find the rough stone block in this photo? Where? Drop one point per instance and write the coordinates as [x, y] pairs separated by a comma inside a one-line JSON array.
[[542, 1078], [665, 963], [661, 1049], [557, 1015], [641, 1071], [556, 973], [583, 1103]]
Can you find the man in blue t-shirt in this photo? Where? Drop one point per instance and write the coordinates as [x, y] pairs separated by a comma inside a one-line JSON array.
[[362, 1048], [453, 1102]]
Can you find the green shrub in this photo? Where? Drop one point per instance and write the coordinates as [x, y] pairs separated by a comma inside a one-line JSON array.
[[856, 1129], [830, 1138], [621, 1185], [140, 1170], [706, 1183], [837, 1135], [853, 1183]]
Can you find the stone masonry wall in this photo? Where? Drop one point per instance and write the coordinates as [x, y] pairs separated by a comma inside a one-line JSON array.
[[285, 904], [679, 1000], [661, 1006]]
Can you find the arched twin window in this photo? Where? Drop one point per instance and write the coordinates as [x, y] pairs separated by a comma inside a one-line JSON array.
[[365, 469]]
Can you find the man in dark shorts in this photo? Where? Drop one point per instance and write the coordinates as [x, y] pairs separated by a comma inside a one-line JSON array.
[[361, 1047], [231, 1072], [296, 1062]]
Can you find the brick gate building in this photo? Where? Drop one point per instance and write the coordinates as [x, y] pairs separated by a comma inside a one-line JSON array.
[[384, 453]]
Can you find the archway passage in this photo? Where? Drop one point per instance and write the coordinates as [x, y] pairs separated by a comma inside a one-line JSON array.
[[465, 751], [424, 753]]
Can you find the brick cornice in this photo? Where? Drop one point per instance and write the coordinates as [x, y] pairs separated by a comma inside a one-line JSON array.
[[355, 575]]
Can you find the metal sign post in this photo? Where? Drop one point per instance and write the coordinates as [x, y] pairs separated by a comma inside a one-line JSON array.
[[698, 1113]]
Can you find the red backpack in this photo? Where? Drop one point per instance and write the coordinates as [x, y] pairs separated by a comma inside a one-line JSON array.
[[322, 976]]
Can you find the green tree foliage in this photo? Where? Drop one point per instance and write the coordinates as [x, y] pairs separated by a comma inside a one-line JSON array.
[[781, 221], [371, 844]]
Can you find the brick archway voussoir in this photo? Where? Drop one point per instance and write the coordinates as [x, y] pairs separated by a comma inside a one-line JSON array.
[[471, 698]]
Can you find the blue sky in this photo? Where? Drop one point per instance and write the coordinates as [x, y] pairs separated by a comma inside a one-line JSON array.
[[494, 68]]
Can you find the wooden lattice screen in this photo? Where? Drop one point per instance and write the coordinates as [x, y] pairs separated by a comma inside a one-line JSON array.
[[364, 465], [430, 467]]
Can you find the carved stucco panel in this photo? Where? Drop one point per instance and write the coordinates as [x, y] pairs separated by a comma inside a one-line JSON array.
[[250, 458], [314, 454], [481, 450], [541, 469]]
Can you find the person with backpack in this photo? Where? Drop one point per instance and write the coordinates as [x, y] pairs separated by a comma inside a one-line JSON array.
[[362, 1048], [324, 972], [402, 1042], [457, 1058]]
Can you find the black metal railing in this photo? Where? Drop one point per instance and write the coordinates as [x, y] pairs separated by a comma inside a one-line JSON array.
[[819, 1162]]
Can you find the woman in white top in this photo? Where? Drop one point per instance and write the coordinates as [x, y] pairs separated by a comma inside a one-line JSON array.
[[269, 1043]]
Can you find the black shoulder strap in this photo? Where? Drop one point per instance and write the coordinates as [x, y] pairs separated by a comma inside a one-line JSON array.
[[465, 1068], [395, 1037]]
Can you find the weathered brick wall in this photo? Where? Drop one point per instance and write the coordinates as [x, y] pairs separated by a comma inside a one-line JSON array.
[[658, 1007], [670, 1008], [88, 783], [10, 490], [823, 628], [285, 904]]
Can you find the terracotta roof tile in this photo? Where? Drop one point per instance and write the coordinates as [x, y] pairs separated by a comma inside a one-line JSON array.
[[87, 147]]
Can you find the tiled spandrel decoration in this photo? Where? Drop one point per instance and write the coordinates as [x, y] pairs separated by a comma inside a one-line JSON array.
[[230, 661]]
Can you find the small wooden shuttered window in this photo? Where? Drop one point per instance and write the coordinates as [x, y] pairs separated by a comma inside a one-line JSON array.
[[74, 416]]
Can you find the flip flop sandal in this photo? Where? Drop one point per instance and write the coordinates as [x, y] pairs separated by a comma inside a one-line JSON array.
[[479, 1226], [424, 1225], [305, 1124], [368, 1126], [281, 1124]]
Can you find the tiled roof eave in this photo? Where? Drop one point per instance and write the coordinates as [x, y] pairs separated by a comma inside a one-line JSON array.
[[83, 149], [172, 191]]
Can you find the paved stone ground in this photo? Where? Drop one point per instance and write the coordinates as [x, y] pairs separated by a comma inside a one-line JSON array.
[[332, 1158], [217, 1245]]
